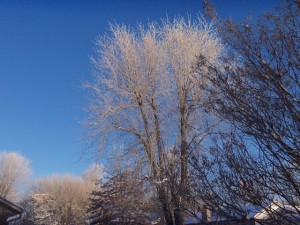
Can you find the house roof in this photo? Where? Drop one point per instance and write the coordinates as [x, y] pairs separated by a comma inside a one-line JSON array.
[[276, 208], [228, 222], [8, 209]]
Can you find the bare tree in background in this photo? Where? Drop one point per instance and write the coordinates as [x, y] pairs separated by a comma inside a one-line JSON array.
[[59, 200], [94, 175], [257, 93], [14, 172], [145, 93]]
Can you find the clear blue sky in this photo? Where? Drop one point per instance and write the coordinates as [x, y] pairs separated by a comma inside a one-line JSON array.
[[44, 57]]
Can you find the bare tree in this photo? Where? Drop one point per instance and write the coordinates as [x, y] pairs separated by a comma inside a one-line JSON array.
[[145, 93], [14, 172], [59, 200], [94, 175], [257, 93]]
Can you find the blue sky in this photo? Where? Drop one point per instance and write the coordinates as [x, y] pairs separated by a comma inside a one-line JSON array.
[[44, 57]]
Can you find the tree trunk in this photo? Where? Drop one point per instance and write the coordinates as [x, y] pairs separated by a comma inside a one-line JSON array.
[[180, 200], [165, 206]]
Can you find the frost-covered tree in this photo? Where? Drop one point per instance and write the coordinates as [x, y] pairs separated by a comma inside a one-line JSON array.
[[94, 174], [59, 200], [14, 174], [146, 94]]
